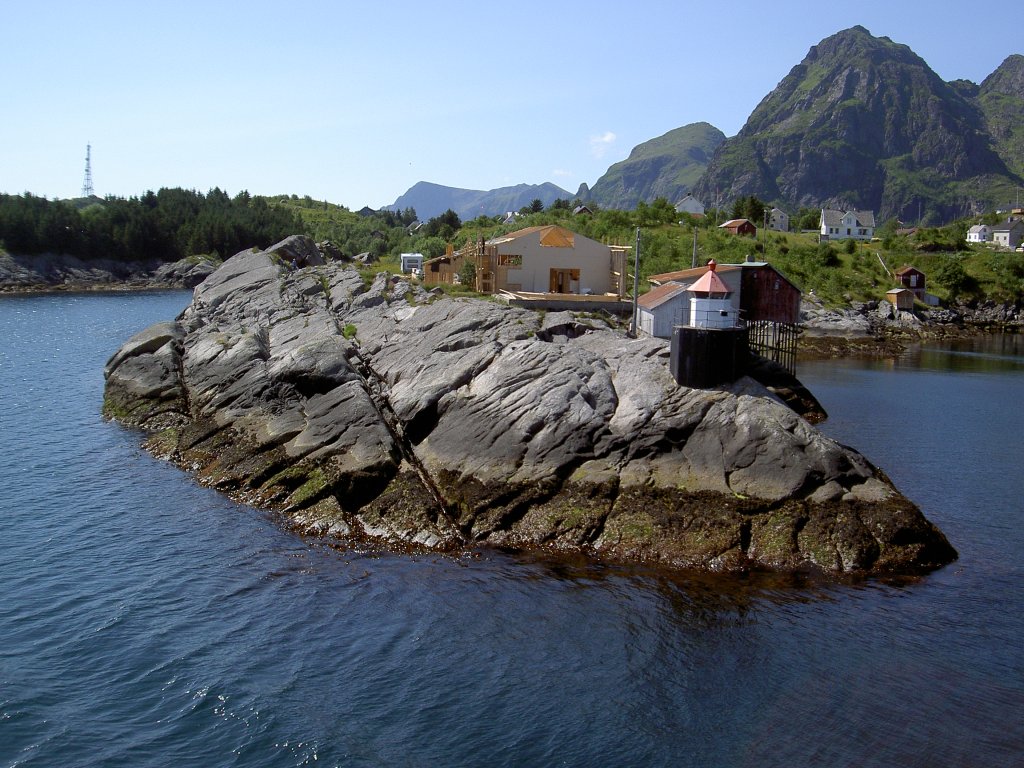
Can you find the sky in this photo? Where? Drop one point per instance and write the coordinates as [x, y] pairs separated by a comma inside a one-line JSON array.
[[354, 103]]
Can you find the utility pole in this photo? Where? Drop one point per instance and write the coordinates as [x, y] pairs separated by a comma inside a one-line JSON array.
[[633, 324], [693, 264], [87, 184]]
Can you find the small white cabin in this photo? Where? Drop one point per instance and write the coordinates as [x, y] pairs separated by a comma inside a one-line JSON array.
[[412, 261]]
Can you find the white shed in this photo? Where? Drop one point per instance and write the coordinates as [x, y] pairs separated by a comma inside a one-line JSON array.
[[411, 261], [661, 308]]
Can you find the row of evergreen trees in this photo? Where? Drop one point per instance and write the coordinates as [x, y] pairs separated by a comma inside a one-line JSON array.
[[167, 225]]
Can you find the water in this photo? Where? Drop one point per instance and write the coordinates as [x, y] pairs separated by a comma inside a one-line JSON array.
[[146, 621]]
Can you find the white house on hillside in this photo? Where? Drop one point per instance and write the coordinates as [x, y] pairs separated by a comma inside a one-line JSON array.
[[690, 204], [847, 225], [979, 233], [778, 220]]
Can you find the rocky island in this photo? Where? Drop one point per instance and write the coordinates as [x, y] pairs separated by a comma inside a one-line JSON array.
[[387, 414]]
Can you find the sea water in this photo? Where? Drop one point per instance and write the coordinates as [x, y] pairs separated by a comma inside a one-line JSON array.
[[147, 621]]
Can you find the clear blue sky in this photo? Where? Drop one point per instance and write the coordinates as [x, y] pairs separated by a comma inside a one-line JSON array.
[[356, 102]]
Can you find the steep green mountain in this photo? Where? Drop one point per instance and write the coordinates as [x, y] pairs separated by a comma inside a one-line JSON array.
[[1001, 99], [667, 166], [864, 122], [431, 200]]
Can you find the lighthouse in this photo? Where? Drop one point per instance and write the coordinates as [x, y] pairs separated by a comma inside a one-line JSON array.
[[711, 348], [710, 304]]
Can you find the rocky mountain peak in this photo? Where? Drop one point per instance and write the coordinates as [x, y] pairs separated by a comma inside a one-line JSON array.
[[863, 120], [1008, 79]]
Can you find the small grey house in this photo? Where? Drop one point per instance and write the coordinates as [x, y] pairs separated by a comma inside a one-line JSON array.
[[1009, 234]]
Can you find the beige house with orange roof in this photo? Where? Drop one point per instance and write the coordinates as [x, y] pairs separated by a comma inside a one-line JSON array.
[[542, 259]]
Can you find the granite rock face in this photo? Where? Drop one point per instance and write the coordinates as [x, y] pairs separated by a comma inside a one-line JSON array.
[[387, 414]]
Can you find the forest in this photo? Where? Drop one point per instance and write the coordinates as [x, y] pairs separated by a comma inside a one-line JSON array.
[[172, 224], [166, 226]]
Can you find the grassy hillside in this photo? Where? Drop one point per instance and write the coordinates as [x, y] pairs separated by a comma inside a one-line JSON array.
[[837, 273]]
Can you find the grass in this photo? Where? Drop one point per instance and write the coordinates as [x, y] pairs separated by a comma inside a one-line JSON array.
[[953, 268]]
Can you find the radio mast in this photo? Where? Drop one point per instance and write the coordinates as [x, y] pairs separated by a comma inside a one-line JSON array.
[[87, 184]]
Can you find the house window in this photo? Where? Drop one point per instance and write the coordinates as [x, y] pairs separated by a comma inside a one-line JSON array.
[[913, 281], [510, 260]]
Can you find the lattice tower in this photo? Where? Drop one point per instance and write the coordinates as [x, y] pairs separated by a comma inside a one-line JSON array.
[[87, 184]]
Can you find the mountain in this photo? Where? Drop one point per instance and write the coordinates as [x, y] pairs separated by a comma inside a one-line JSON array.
[[431, 200], [1001, 99], [863, 122], [667, 166]]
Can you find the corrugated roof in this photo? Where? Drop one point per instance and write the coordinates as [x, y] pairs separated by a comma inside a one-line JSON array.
[[658, 296], [689, 275]]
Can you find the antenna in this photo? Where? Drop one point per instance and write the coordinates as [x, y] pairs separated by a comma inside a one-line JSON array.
[[87, 184]]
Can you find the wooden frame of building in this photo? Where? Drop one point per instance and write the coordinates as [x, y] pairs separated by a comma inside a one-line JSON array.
[[537, 260]]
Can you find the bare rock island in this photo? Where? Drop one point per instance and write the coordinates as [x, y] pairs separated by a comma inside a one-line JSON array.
[[386, 414]]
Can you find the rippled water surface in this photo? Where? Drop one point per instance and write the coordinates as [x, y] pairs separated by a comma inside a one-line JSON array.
[[146, 621]]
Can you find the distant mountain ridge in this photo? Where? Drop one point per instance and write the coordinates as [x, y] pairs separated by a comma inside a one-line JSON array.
[[430, 200], [863, 122], [667, 166]]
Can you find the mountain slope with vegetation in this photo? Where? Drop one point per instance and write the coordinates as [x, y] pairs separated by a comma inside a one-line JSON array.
[[863, 122], [667, 166], [1001, 99]]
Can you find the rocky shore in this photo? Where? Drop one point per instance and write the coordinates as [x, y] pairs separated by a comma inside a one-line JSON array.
[[381, 414], [51, 273], [878, 329]]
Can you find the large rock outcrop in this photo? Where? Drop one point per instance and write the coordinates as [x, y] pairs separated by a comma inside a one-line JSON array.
[[380, 412]]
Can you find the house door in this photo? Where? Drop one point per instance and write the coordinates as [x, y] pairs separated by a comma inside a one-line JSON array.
[[562, 280]]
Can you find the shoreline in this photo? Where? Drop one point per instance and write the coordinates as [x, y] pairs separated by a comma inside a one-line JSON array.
[[885, 339], [451, 424], [886, 345], [85, 288]]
